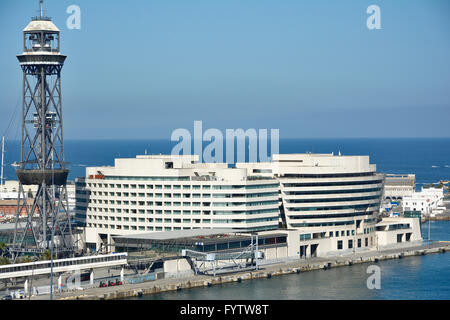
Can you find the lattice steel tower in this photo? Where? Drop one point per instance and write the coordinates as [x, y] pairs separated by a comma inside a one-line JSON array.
[[42, 147]]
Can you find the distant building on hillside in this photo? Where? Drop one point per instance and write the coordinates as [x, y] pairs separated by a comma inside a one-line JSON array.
[[429, 201]]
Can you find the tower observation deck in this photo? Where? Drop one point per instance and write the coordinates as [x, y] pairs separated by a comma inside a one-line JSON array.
[[42, 147]]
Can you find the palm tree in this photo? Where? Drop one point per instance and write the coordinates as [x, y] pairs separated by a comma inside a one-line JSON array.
[[46, 255], [3, 248], [4, 260]]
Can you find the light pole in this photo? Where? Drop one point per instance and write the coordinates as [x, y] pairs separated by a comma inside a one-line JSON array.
[[51, 263], [3, 160], [54, 213], [429, 230]]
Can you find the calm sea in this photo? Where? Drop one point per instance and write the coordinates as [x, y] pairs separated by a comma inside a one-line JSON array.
[[429, 159]]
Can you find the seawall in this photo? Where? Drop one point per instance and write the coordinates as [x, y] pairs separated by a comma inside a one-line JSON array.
[[146, 288]]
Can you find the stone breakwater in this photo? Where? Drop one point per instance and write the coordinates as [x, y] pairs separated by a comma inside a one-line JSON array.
[[268, 272], [444, 217]]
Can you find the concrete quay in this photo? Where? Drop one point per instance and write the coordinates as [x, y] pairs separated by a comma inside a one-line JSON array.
[[441, 217], [265, 271]]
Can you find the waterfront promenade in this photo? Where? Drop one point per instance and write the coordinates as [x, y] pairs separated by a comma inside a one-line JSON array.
[[266, 270]]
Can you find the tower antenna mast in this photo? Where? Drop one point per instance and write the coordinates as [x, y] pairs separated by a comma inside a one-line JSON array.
[[42, 145], [41, 2]]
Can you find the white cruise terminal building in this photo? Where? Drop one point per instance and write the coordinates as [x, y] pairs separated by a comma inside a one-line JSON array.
[[165, 193], [324, 203]]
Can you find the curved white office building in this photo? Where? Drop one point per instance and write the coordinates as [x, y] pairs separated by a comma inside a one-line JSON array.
[[333, 200]]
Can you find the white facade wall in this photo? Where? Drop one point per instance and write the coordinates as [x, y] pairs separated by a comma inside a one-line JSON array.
[[425, 201], [320, 247], [10, 189], [398, 186], [332, 200], [393, 232]]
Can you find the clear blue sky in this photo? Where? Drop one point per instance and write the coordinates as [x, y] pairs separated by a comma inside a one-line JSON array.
[[140, 68]]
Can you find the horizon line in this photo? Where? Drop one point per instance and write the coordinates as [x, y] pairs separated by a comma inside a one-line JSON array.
[[287, 138]]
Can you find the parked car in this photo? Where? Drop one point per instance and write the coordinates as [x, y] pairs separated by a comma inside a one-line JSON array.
[[7, 297]]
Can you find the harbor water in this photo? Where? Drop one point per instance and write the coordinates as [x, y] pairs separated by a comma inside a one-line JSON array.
[[411, 278]]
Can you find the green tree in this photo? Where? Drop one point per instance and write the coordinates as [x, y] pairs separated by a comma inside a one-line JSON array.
[[26, 259], [2, 248], [46, 255], [4, 260]]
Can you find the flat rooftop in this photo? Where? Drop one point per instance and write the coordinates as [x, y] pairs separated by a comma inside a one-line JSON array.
[[179, 234], [189, 237]]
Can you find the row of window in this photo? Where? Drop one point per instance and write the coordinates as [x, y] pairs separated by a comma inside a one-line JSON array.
[[179, 187], [179, 212], [147, 219], [336, 215], [150, 195], [327, 175], [195, 221], [399, 226], [174, 195], [149, 203], [245, 195], [239, 244], [148, 211], [247, 204], [245, 220], [147, 178], [158, 220], [147, 186], [369, 230], [169, 204], [299, 193], [131, 227], [246, 212], [350, 243], [356, 207], [322, 224], [329, 184], [332, 199], [331, 234], [247, 187]]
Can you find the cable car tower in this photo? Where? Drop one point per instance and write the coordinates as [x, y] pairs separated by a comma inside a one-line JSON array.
[[44, 222]]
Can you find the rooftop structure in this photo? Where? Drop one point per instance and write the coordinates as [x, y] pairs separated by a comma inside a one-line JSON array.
[[397, 186]]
